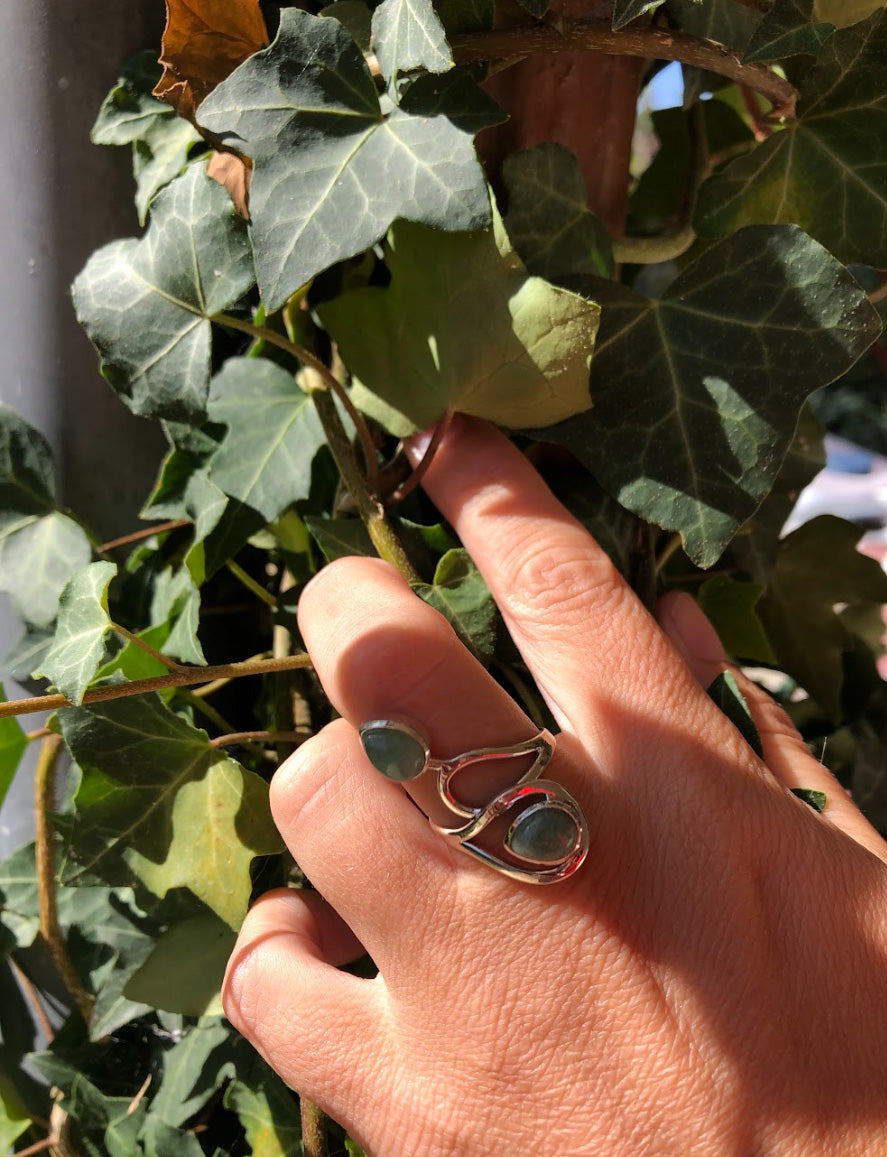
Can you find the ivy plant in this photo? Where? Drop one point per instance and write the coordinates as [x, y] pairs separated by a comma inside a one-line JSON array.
[[347, 238]]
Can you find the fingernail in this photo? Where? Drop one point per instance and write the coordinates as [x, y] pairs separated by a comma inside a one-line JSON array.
[[694, 632], [416, 445]]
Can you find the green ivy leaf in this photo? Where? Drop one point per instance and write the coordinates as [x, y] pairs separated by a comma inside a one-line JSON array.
[[408, 34], [726, 694], [12, 748], [133, 661], [185, 970], [466, 15], [722, 20], [83, 622], [159, 804], [788, 29], [162, 1140], [826, 171], [548, 219], [417, 349], [159, 157], [845, 12], [815, 799], [754, 547], [27, 652], [160, 140], [177, 600], [624, 11], [264, 460], [193, 1068], [269, 1114], [129, 110], [454, 95], [331, 171], [696, 395], [356, 17], [463, 598], [818, 567], [146, 304], [37, 558], [27, 478], [730, 606], [14, 1117]]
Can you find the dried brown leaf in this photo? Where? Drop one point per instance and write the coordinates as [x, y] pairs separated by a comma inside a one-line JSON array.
[[233, 173], [204, 41]]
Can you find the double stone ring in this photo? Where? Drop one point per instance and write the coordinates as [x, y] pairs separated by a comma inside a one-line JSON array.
[[546, 838]]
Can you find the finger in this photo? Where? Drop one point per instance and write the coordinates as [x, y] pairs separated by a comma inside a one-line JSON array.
[[586, 637], [320, 1028], [382, 653], [784, 750], [358, 838]]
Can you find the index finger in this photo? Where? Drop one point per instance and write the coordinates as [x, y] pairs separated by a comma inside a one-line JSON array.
[[581, 629]]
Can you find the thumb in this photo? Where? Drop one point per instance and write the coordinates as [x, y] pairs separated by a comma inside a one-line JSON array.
[[784, 751]]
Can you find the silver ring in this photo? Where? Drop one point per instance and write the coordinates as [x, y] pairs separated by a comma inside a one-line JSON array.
[[547, 839]]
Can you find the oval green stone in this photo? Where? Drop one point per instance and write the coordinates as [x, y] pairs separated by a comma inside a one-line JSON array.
[[397, 754], [543, 834]]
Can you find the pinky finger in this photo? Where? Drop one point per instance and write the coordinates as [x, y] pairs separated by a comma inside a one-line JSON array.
[[784, 751]]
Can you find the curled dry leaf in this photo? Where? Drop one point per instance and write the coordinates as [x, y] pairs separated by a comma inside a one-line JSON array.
[[233, 173], [204, 41]]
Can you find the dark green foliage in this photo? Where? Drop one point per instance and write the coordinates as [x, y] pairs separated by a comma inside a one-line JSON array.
[[666, 404]]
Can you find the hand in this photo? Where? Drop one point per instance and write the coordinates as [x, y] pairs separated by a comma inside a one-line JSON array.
[[713, 980]]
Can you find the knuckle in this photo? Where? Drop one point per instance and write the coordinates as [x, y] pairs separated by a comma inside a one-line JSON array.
[[550, 585], [311, 775]]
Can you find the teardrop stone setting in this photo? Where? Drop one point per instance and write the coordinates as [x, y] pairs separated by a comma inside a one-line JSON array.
[[395, 750], [544, 834]]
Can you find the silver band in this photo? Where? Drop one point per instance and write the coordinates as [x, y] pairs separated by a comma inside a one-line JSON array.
[[547, 839]]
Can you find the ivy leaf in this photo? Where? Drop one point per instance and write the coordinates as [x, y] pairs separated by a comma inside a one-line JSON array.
[[356, 17], [730, 607], [204, 41], [696, 395], [193, 1068], [27, 478], [463, 598], [268, 1112], [845, 12], [146, 304], [754, 547], [722, 20], [159, 157], [788, 29], [12, 748], [83, 622], [726, 694], [177, 600], [330, 171], [454, 95], [624, 11], [466, 15], [408, 34], [835, 147], [818, 567], [14, 1117], [417, 349], [184, 972], [159, 804], [37, 557], [548, 219], [131, 115], [162, 1140], [265, 458]]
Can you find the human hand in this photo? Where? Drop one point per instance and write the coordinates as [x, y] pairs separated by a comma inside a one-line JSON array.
[[713, 980]]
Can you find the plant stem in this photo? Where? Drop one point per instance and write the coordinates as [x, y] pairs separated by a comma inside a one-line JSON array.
[[671, 547], [146, 532], [644, 40], [39, 1011], [251, 585], [314, 1139], [170, 664], [652, 250], [184, 677], [440, 429], [332, 382], [293, 738], [50, 930], [368, 507]]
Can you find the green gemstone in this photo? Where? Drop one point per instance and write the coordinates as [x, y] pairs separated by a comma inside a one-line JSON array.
[[544, 834], [395, 752]]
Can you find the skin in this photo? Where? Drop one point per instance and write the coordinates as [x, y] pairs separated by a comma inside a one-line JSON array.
[[712, 981]]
